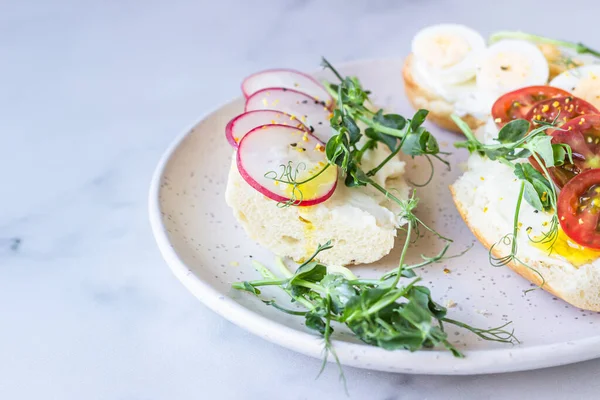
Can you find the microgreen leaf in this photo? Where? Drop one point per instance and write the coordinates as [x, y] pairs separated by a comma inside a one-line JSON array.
[[523, 153], [393, 121], [314, 321], [390, 141], [559, 154], [418, 119], [355, 176], [543, 147], [335, 150], [420, 142], [353, 129], [532, 196], [339, 289], [513, 131], [249, 288], [537, 188]]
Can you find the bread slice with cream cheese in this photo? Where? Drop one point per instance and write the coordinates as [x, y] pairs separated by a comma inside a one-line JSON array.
[[360, 222], [486, 195]]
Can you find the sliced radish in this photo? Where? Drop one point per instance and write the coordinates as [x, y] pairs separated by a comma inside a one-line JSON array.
[[289, 79], [238, 127], [305, 108], [265, 152]]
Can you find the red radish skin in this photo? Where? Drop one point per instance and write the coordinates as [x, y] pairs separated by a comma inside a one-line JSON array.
[[268, 133], [239, 126], [305, 108], [289, 79]]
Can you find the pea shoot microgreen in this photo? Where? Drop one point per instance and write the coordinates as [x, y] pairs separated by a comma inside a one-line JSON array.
[[579, 48], [392, 130], [347, 147], [381, 312], [517, 142], [392, 312]]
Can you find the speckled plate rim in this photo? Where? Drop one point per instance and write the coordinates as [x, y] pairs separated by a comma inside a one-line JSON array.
[[431, 362]]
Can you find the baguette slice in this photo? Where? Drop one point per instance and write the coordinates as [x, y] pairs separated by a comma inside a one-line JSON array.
[[579, 286], [440, 110], [361, 223]]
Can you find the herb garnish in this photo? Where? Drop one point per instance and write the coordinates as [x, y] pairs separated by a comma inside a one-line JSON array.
[[392, 312], [377, 311], [517, 141], [391, 130]]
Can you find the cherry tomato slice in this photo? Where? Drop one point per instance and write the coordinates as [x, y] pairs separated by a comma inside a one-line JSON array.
[[566, 108], [516, 104], [582, 134], [579, 209]]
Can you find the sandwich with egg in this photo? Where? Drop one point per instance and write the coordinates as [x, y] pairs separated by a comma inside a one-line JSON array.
[[531, 189], [451, 70]]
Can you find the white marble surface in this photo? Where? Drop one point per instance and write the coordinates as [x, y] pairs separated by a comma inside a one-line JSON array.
[[91, 93]]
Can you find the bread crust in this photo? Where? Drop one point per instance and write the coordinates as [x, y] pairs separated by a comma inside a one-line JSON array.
[[439, 109], [574, 298]]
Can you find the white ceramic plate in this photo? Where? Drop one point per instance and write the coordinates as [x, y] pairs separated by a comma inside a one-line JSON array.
[[202, 243]]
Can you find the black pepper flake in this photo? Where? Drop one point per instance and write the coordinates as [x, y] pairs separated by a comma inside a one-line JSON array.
[[536, 211], [284, 89], [304, 101], [320, 123], [504, 68], [316, 101], [322, 103], [311, 129], [301, 149], [293, 144]]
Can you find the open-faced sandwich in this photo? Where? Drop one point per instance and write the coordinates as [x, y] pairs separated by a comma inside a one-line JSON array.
[[316, 177], [531, 192], [284, 191], [451, 70]]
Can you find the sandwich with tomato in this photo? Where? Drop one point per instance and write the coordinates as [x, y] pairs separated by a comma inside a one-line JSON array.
[[531, 190], [453, 70]]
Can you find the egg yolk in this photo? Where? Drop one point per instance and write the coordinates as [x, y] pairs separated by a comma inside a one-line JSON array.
[[572, 252]]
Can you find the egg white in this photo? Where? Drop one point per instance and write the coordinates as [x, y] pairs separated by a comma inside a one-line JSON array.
[[583, 82], [448, 52], [509, 65]]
